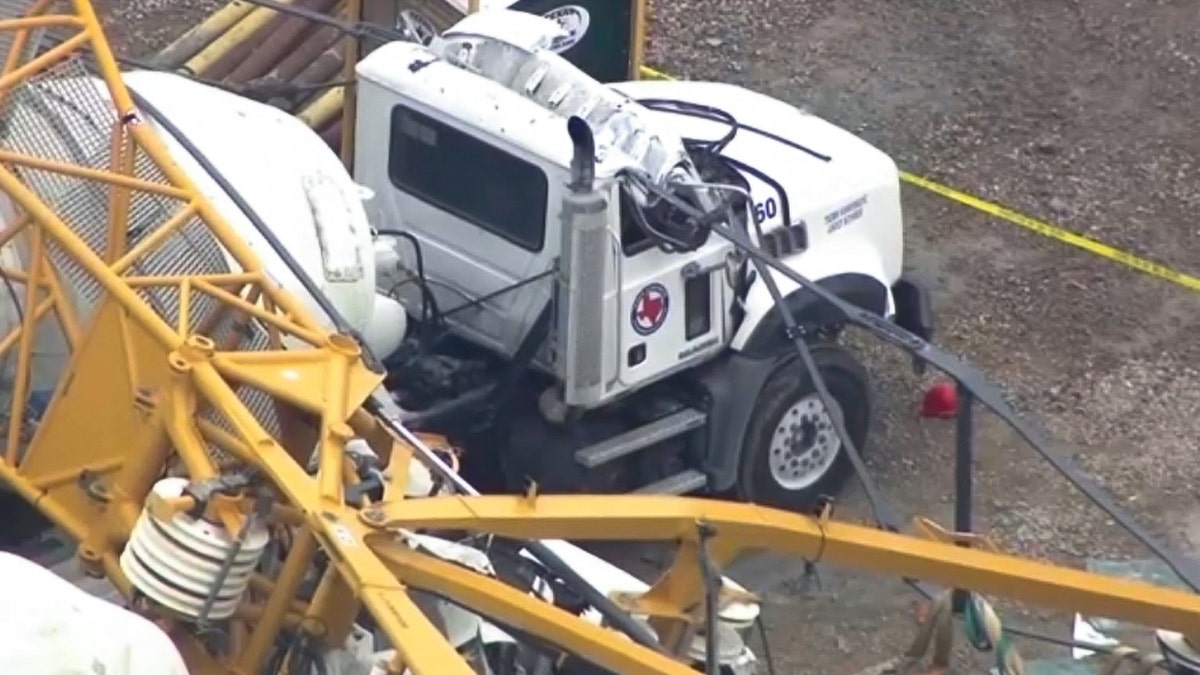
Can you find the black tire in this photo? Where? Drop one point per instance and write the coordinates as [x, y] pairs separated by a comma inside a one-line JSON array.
[[848, 383]]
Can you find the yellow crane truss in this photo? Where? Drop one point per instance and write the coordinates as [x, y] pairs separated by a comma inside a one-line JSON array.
[[150, 392]]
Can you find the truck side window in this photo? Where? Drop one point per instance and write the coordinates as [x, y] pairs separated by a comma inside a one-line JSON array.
[[468, 178]]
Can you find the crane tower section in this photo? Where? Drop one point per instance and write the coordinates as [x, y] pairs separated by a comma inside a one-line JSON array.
[[142, 337]]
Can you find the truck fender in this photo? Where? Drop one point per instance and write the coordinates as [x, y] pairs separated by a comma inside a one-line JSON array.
[[732, 383], [861, 282], [726, 382], [768, 336]]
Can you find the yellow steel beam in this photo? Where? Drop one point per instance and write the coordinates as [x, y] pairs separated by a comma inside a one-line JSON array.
[[509, 606], [747, 527]]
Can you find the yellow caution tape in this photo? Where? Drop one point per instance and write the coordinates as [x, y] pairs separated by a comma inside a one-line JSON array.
[[1040, 227], [1056, 233], [651, 74]]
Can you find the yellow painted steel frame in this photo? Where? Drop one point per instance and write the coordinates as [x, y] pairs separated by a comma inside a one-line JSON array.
[[128, 411], [637, 50]]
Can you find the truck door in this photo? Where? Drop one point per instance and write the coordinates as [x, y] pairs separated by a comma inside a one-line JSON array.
[[479, 211], [672, 305]]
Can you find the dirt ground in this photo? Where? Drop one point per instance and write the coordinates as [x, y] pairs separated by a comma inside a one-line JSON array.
[[1077, 112]]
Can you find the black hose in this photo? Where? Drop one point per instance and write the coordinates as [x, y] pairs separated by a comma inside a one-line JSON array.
[[714, 114], [431, 314], [766, 644], [614, 615], [701, 111], [293, 265], [420, 256]]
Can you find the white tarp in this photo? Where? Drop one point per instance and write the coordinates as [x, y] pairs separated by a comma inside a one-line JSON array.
[[51, 627]]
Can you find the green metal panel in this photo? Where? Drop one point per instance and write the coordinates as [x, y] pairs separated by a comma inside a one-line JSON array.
[[605, 50]]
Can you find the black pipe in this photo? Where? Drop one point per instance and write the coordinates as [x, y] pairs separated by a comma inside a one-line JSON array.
[[583, 159], [712, 590], [964, 484]]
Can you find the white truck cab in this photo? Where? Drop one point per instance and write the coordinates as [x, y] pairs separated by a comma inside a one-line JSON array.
[[482, 191], [464, 143]]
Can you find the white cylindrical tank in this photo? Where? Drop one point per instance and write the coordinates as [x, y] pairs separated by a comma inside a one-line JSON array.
[[50, 354], [279, 166], [287, 173], [388, 324]]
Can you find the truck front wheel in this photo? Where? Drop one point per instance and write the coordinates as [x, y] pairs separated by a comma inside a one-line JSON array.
[[792, 456]]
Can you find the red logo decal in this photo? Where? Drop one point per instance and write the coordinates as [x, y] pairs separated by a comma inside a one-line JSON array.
[[650, 309]]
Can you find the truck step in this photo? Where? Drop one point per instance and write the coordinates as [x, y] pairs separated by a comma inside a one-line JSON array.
[[644, 436], [688, 480]]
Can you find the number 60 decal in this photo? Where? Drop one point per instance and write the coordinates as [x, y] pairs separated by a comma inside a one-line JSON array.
[[765, 210]]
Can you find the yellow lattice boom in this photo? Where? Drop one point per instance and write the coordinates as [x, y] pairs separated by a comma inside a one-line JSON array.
[[165, 337], [143, 340], [160, 343]]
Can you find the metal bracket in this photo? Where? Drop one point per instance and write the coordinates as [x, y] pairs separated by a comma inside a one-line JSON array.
[[94, 486], [370, 474], [203, 491], [931, 530]]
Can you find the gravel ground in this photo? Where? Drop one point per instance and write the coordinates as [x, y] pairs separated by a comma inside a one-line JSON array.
[[1073, 111], [1070, 111], [140, 28]]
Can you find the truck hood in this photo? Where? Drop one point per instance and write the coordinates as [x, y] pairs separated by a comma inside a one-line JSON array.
[[819, 166]]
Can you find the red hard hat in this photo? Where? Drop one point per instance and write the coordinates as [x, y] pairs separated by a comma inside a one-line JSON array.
[[941, 401]]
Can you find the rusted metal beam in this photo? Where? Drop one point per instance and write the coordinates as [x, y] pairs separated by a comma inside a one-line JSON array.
[[274, 46], [305, 53]]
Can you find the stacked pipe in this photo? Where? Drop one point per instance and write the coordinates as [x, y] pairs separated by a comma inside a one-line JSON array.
[[292, 62]]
